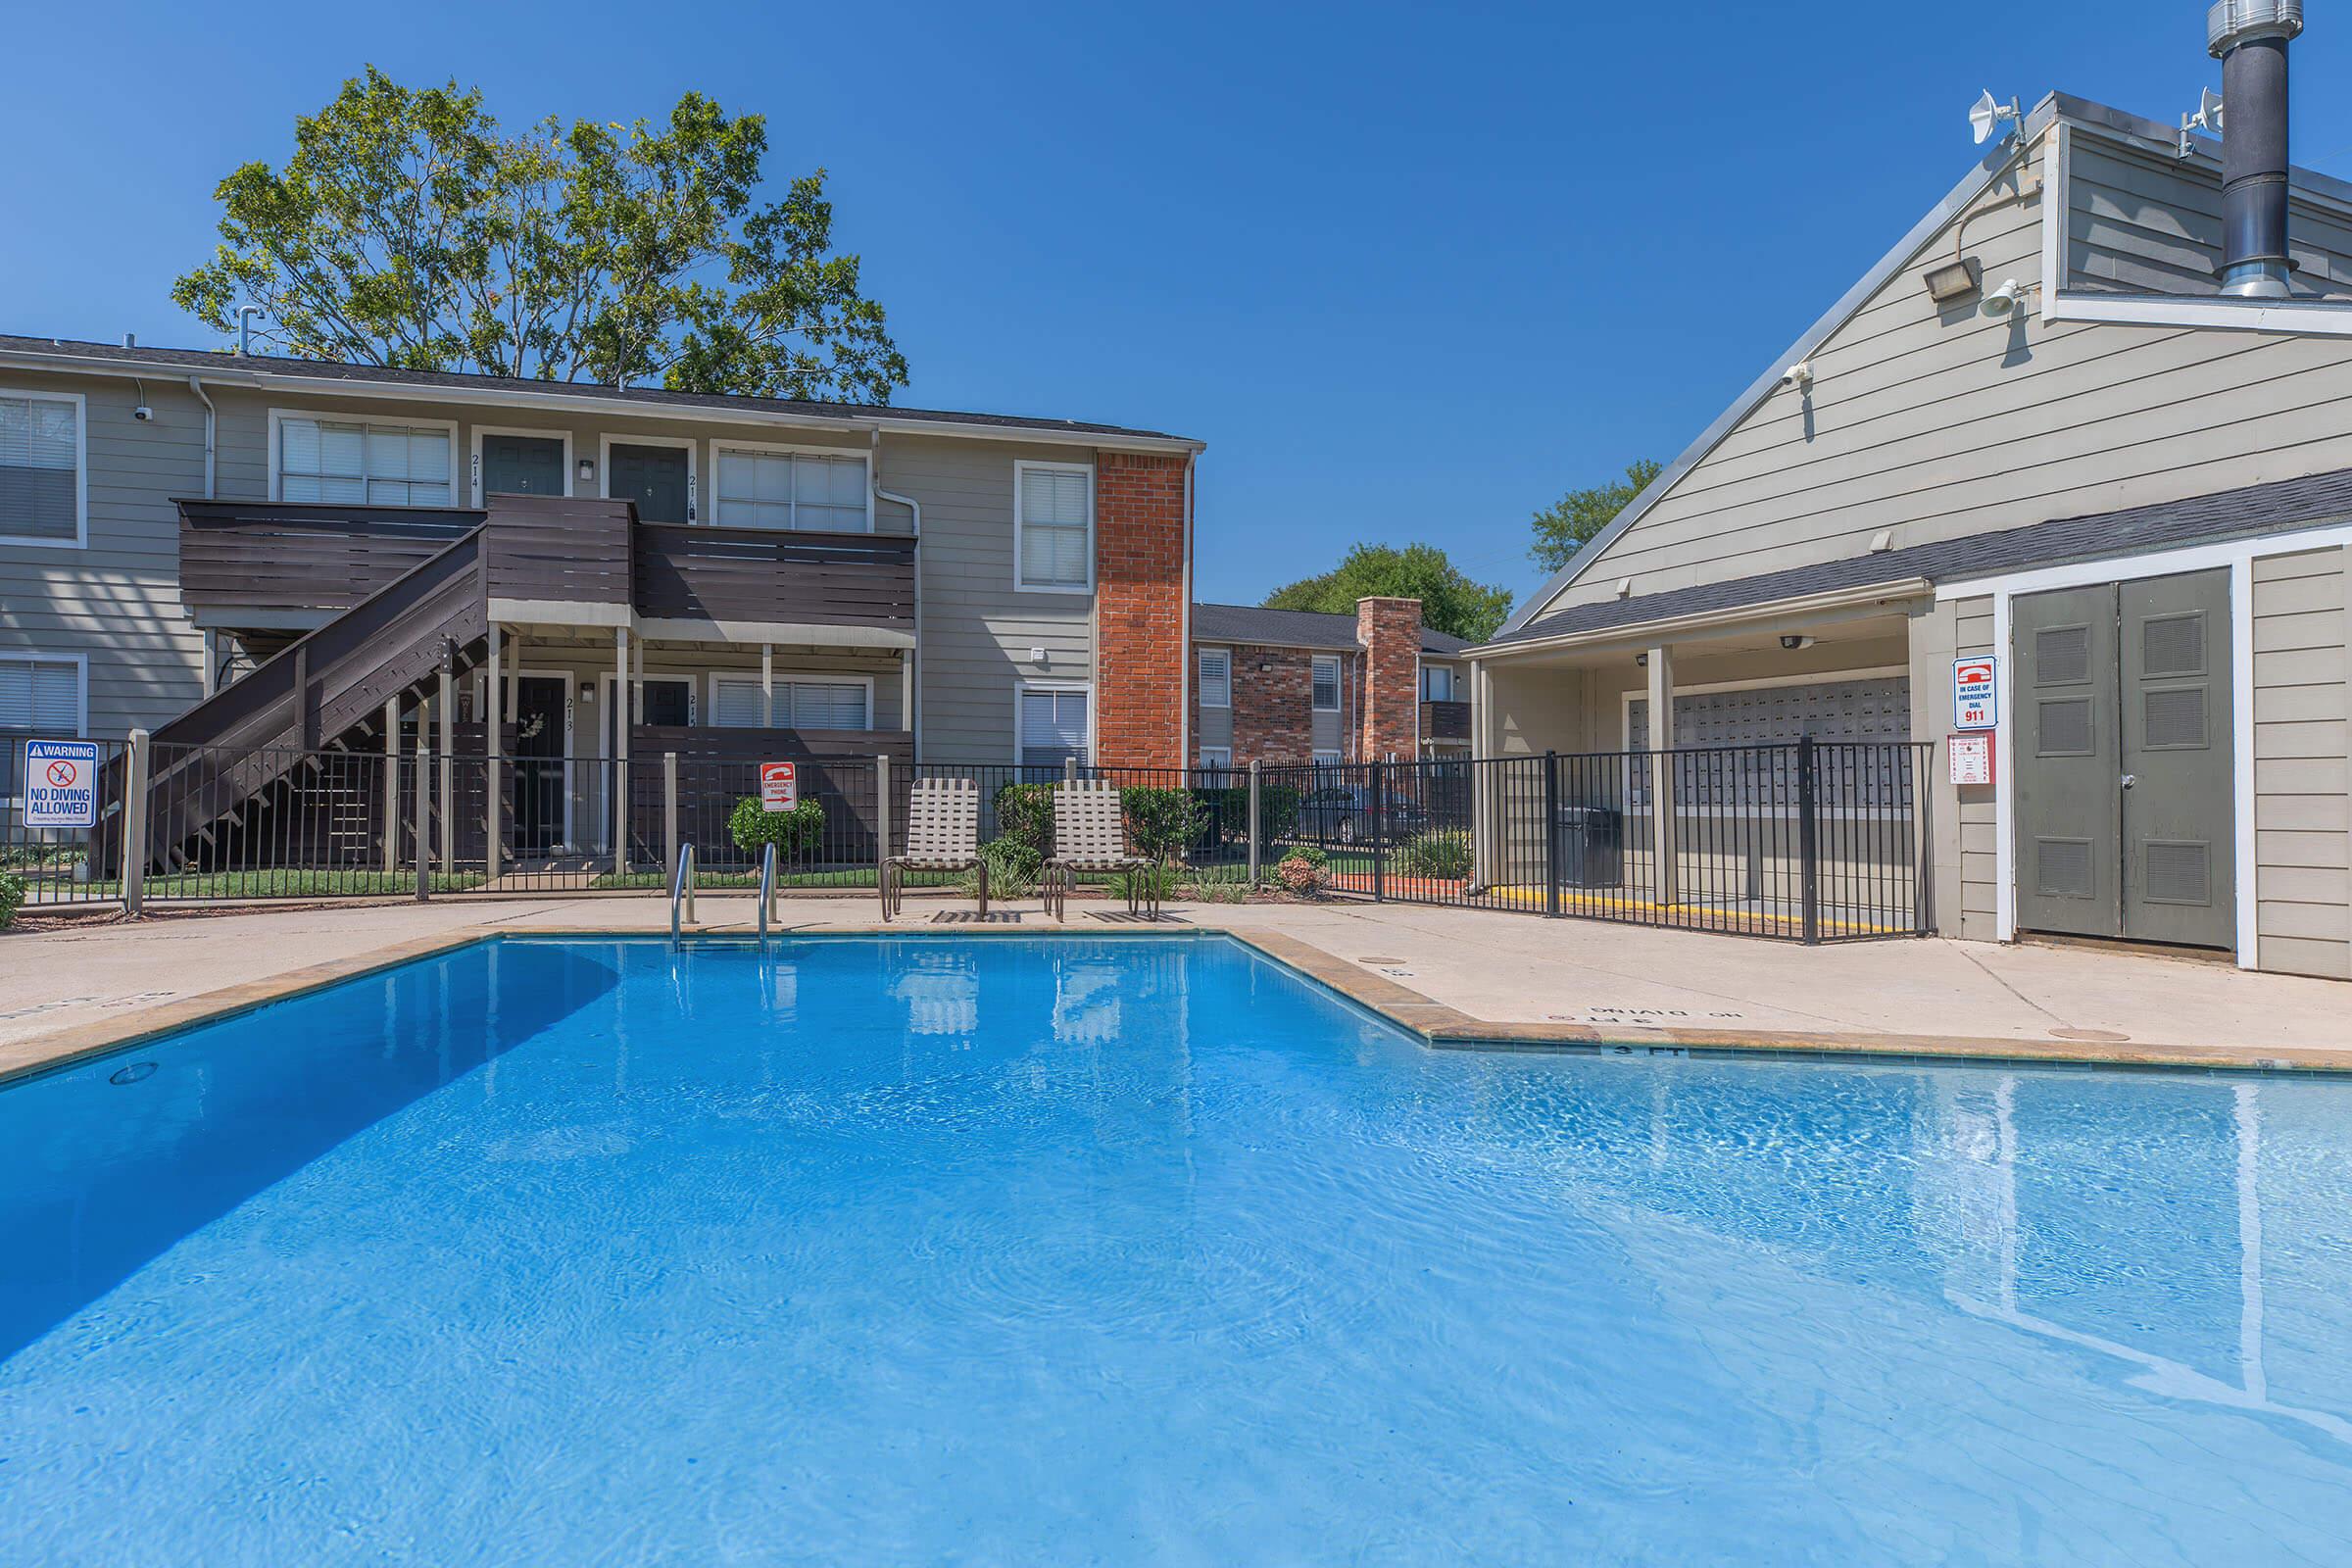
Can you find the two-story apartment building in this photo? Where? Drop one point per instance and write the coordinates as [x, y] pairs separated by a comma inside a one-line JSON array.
[[1290, 686], [955, 587], [2087, 427]]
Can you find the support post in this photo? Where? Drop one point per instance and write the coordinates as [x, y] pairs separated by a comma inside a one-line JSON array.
[[1552, 833], [1808, 838], [1069, 770], [768, 685], [448, 704], [424, 816], [493, 797], [391, 785], [1256, 808], [137, 758], [1376, 817], [1664, 850], [669, 808], [618, 719]]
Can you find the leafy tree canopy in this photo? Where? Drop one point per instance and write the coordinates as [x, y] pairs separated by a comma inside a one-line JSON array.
[[1562, 527], [408, 229], [1449, 601]]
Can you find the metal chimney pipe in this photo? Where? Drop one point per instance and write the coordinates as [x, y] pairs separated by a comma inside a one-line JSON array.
[[2250, 37]]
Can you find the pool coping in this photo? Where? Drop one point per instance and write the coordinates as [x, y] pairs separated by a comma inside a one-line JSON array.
[[1436, 1024]]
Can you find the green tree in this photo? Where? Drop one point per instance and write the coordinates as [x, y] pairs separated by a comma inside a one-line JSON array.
[[408, 229], [1562, 527], [1449, 601]]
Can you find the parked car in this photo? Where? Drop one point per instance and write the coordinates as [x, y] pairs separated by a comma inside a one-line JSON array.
[[1350, 814]]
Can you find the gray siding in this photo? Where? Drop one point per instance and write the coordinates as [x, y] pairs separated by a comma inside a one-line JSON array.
[[116, 601], [2302, 820], [1980, 832], [2141, 223], [1933, 424]]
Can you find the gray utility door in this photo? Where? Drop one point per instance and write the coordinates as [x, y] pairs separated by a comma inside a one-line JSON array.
[[523, 465], [2126, 818], [655, 477]]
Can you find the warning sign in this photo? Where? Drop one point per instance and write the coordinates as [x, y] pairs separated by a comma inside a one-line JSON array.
[[1972, 757], [779, 786], [60, 783], [1976, 692]]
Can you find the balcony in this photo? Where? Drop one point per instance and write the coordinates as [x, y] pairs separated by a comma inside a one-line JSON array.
[[274, 568], [1445, 722]]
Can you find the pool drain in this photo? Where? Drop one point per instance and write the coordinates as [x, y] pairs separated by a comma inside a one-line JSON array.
[[136, 1072]]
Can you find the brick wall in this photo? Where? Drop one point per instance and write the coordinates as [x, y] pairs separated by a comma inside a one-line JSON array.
[[1140, 659], [1389, 631], [1273, 720]]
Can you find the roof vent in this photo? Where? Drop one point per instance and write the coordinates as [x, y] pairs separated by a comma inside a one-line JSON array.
[[2250, 37], [131, 340]]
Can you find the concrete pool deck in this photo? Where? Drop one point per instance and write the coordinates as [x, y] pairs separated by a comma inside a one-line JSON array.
[[1458, 977]]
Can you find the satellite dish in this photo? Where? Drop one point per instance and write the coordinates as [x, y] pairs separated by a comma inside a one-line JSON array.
[[2209, 108], [1983, 115]]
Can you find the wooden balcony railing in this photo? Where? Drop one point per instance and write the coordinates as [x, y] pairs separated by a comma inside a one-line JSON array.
[[698, 571], [283, 557], [1444, 721]]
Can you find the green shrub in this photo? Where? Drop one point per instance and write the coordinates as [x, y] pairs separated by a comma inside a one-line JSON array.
[[1160, 823], [1227, 808], [793, 833], [12, 898], [1440, 853], [1221, 884], [1300, 875], [1013, 868], [1025, 814], [1312, 854], [1142, 884]]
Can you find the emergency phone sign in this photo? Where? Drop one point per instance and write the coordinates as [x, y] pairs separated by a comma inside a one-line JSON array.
[[60, 783], [779, 786], [1976, 683]]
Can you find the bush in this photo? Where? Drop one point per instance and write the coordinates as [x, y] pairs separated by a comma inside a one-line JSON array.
[[1441, 852], [793, 833], [12, 898], [1025, 816], [1297, 874], [1160, 823], [1013, 868], [1312, 854], [1228, 811], [1221, 884]]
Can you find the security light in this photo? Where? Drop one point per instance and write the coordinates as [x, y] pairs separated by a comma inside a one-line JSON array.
[[586, 468], [1953, 280]]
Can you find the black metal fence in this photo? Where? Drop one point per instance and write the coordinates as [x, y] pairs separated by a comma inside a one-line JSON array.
[[1814, 841]]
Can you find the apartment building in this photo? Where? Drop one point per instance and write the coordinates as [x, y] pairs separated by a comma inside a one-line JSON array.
[[1297, 686]]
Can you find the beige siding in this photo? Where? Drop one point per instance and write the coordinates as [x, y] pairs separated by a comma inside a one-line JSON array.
[[1978, 838], [1934, 424], [116, 601], [2302, 813], [2141, 223]]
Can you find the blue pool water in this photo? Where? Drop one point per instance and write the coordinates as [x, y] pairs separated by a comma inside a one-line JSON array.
[[1105, 1251]]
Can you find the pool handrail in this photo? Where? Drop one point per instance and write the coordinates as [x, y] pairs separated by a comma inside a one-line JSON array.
[[768, 889], [681, 891]]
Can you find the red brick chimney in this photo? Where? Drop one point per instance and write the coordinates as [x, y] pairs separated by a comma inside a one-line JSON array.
[[1389, 630], [1140, 659]]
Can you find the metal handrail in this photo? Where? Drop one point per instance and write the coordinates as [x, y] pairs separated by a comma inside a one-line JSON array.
[[768, 889], [681, 891]]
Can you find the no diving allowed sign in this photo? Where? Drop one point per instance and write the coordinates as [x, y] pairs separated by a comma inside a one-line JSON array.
[[60, 783]]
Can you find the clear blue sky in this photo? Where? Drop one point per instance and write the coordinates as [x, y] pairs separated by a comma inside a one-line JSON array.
[[1410, 272]]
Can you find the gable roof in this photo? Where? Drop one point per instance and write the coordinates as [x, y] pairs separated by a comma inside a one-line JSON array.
[[2311, 501], [277, 370], [1257, 625]]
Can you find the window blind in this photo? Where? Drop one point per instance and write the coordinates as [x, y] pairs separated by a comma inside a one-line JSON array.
[[1216, 677], [1053, 527], [1053, 728], [39, 469], [363, 465], [40, 696], [791, 490], [1327, 683], [737, 703]]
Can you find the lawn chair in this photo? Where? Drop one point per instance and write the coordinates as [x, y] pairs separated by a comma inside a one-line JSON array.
[[943, 834], [1089, 834]]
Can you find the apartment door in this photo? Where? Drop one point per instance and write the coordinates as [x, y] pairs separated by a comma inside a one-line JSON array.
[[656, 478], [538, 787], [523, 465], [2126, 806]]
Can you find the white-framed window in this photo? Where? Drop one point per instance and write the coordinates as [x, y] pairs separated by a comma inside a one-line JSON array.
[[1326, 695], [1436, 683], [1054, 724], [792, 487], [42, 696], [44, 485], [1216, 677], [1216, 757], [360, 462], [1053, 527], [803, 702]]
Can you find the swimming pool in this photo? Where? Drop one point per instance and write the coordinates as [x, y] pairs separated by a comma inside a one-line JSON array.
[[1006, 1249]]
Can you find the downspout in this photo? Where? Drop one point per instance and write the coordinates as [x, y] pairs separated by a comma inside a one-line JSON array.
[[212, 659], [915, 656], [1188, 667]]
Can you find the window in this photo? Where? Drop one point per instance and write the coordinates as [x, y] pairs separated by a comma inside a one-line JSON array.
[[1052, 527], [40, 698], [41, 490], [1216, 757], [1436, 683], [1327, 758], [1327, 683], [1052, 726], [759, 489], [1216, 677], [738, 703], [362, 464]]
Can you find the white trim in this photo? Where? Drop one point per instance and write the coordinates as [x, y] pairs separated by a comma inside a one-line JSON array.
[[866, 488], [322, 415], [607, 696], [1641, 694], [1312, 705], [1711, 623], [2238, 556], [81, 471], [473, 459], [1200, 677], [1021, 584], [607, 440], [785, 677], [82, 704], [1021, 688]]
